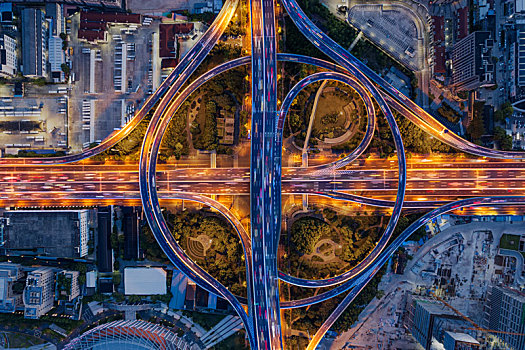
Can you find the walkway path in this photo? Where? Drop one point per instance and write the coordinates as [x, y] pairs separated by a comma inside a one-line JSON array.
[[311, 124]]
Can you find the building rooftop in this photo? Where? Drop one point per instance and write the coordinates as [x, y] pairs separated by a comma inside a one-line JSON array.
[[168, 37], [109, 17], [462, 18], [55, 233], [462, 337], [439, 29], [439, 60], [144, 281]]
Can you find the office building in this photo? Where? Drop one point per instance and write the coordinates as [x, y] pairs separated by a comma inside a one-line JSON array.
[[34, 41], [56, 59], [472, 65], [8, 56], [39, 293], [11, 287], [54, 233], [505, 311], [54, 12]]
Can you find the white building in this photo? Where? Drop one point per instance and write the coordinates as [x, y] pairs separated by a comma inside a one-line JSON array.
[[39, 293], [56, 58], [56, 55], [8, 57], [144, 281], [9, 298]]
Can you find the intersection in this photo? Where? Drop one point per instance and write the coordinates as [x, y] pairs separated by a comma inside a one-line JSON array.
[[393, 184]]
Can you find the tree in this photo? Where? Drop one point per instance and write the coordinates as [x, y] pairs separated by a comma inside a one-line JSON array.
[[116, 278], [476, 128], [65, 68], [306, 232], [505, 111], [504, 140]]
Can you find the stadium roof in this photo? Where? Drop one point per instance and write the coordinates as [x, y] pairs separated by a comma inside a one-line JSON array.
[[128, 335]]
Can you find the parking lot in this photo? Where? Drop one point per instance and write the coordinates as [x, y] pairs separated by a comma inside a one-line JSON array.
[[393, 27], [112, 79], [35, 121]]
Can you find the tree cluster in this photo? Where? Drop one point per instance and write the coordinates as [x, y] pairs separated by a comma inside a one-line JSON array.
[[505, 111]]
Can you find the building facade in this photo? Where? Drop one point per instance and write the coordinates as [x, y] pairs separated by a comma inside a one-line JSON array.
[[505, 311], [39, 293]]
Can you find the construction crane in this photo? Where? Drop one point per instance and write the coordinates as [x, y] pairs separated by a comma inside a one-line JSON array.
[[475, 326]]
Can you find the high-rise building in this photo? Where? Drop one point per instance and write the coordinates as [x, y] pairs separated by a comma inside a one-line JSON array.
[[472, 64], [39, 294], [104, 251], [34, 41], [10, 297], [429, 321], [55, 233], [130, 226], [505, 311], [519, 48], [8, 56]]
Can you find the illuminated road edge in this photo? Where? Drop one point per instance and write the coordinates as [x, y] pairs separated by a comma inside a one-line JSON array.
[[262, 319]]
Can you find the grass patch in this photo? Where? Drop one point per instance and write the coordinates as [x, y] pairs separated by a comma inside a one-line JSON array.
[[511, 242], [20, 340]]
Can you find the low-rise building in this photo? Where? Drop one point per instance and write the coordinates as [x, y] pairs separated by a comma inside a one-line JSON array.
[[144, 281], [39, 292], [8, 55], [93, 25]]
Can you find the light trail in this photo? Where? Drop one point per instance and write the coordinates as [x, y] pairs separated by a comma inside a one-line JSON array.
[[262, 322]]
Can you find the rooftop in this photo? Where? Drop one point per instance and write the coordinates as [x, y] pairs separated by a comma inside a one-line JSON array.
[[144, 281]]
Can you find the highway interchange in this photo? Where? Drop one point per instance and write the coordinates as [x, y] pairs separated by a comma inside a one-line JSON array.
[[385, 183]]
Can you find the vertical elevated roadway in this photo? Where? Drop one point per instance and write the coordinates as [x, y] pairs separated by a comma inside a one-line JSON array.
[[265, 175], [147, 171]]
